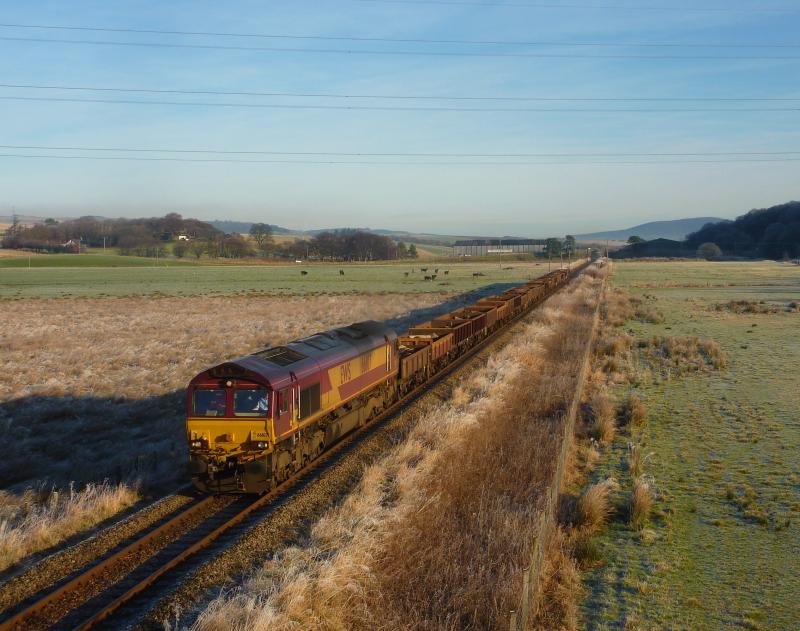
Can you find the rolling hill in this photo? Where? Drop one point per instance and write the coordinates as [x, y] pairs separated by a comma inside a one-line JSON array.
[[675, 229]]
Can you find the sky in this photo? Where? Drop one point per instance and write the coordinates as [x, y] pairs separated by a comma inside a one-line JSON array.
[[504, 159]]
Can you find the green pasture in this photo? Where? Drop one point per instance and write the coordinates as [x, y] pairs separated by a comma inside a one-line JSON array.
[[18, 281], [85, 260], [722, 450]]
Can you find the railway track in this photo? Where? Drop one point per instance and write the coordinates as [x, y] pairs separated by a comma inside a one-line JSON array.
[[92, 596]]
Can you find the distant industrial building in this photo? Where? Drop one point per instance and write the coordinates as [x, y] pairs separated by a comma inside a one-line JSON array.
[[489, 247]]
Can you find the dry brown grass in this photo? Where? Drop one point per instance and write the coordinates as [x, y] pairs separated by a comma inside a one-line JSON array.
[[617, 307], [82, 369], [634, 411], [603, 426], [635, 460], [641, 503], [33, 521], [594, 506], [436, 534], [561, 588]]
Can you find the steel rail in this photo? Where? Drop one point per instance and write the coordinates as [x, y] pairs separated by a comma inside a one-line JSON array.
[[17, 621]]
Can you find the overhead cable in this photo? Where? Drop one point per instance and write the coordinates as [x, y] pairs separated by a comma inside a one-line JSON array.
[[404, 97], [396, 53]]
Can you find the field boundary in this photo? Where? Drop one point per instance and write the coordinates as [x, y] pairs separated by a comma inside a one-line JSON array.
[[531, 574]]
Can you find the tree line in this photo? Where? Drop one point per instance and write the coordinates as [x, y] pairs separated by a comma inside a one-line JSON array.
[[772, 233], [160, 236], [142, 237]]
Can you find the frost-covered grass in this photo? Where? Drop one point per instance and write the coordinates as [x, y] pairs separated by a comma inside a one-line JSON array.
[[34, 521]]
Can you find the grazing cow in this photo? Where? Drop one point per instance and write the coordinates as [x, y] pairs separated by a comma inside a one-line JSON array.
[[436, 271], [406, 273], [433, 276], [446, 272], [341, 272], [303, 272], [423, 269], [427, 278]]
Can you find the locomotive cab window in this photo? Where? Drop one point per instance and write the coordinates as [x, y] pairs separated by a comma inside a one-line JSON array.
[[283, 397], [251, 402], [209, 402]]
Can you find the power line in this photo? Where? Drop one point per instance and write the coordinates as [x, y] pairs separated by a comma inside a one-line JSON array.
[[350, 38], [404, 97], [384, 163], [396, 154], [396, 53], [388, 108], [605, 7]]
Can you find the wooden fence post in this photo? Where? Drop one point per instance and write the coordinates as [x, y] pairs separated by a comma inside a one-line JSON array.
[[526, 594]]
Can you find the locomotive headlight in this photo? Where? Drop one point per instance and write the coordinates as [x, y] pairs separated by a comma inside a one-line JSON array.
[[201, 443], [260, 445]]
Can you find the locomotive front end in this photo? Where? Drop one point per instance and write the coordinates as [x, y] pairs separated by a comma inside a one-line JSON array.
[[229, 429]]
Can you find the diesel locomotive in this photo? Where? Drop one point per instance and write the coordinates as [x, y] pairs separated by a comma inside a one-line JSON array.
[[254, 421]]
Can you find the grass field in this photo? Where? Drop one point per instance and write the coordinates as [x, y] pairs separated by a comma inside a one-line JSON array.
[[61, 261], [720, 449], [17, 281]]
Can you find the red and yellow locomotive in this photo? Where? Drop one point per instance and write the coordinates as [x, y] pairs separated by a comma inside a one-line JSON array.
[[253, 421]]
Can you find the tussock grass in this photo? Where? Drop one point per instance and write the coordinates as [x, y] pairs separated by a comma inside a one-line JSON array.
[[594, 506], [603, 427], [611, 343], [684, 354], [634, 411], [35, 521], [747, 306], [641, 503], [617, 307], [635, 460], [447, 551], [644, 312]]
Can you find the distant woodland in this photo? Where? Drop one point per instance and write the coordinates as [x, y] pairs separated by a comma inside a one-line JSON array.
[[772, 233], [174, 235]]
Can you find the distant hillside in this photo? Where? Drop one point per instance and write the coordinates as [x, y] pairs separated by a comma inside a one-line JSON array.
[[676, 229]]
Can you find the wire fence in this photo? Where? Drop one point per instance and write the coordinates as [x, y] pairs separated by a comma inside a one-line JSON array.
[[531, 574]]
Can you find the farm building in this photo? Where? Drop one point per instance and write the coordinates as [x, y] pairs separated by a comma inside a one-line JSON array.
[[488, 247]]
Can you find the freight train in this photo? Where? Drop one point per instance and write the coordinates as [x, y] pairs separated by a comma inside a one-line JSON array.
[[254, 421]]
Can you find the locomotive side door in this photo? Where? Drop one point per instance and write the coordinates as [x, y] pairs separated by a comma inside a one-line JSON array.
[[286, 409]]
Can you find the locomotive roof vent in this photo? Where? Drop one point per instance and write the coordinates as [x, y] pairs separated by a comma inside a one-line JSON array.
[[321, 341], [280, 355]]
